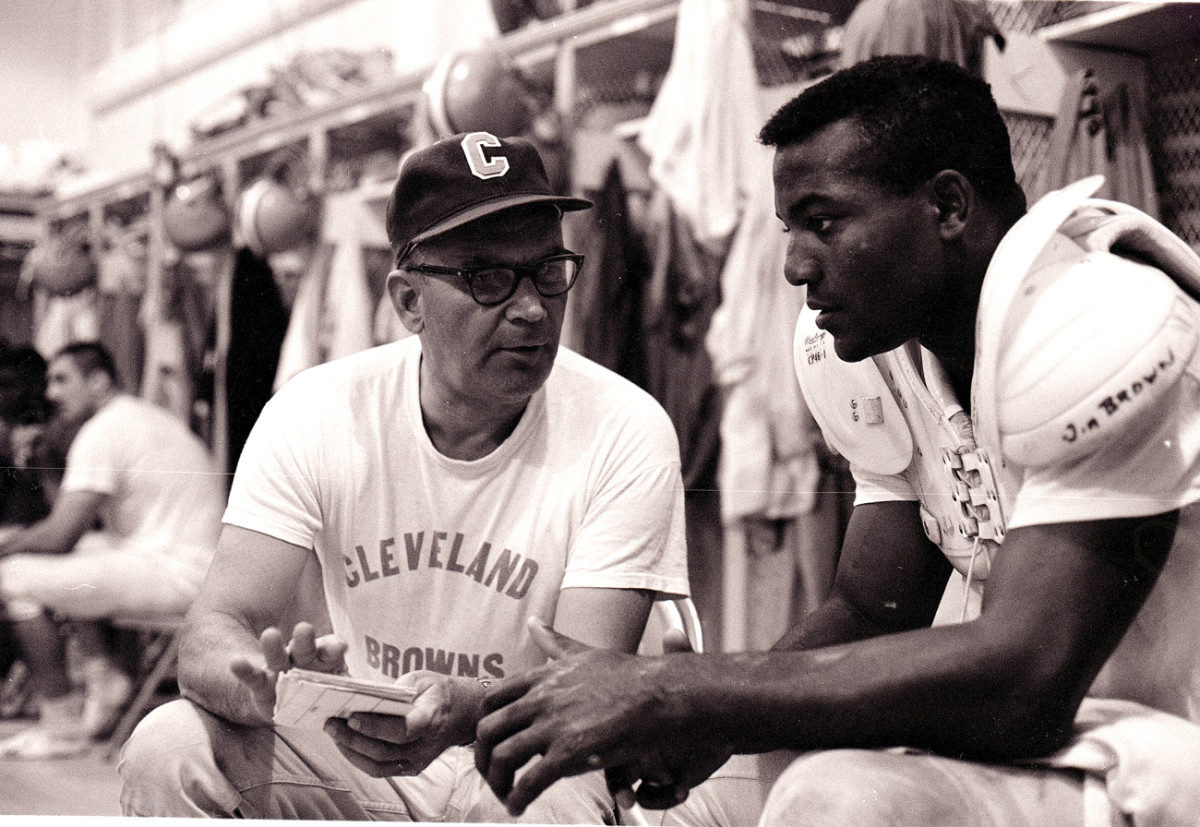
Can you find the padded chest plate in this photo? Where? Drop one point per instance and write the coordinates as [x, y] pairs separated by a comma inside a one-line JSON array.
[[851, 402]]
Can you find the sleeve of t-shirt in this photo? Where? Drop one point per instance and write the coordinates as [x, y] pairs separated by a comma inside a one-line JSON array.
[[93, 463], [273, 489], [1149, 469], [633, 532]]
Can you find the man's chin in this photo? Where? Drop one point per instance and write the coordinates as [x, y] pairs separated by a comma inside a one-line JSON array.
[[849, 350], [521, 380]]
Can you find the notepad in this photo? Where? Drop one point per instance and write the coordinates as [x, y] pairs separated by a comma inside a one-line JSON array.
[[306, 699]]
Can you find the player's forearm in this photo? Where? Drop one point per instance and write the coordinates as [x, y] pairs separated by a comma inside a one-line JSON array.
[[834, 621], [40, 538], [938, 689]]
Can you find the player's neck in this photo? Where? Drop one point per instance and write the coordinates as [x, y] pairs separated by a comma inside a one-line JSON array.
[[960, 369], [950, 335]]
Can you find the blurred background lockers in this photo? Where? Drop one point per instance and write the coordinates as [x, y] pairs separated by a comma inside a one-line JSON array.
[[200, 184]]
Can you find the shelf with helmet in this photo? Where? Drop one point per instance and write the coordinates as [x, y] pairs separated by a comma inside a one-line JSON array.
[[230, 189], [261, 186], [534, 47]]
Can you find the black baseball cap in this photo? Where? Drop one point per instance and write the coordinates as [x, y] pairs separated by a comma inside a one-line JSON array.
[[461, 179]]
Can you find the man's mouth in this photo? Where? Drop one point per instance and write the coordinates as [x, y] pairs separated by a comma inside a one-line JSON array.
[[522, 350]]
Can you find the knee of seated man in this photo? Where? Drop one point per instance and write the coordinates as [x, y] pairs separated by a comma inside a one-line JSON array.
[[860, 787], [169, 767], [165, 740]]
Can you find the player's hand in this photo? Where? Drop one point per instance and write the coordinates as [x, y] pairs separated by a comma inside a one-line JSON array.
[[585, 710], [305, 650], [660, 781], [664, 778], [443, 715]]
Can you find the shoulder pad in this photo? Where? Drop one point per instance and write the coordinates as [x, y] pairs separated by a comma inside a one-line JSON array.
[[851, 402], [1089, 345], [1111, 226], [1013, 258]]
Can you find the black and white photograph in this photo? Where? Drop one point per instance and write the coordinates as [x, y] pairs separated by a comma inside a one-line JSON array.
[[688, 413]]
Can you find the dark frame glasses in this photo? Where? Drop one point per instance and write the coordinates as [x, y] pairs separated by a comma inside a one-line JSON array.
[[493, 284]]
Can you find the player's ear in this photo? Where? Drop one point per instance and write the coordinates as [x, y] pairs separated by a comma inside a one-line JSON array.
[[404, 287], [953, 198]]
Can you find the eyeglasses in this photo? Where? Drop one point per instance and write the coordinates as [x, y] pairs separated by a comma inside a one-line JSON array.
[[492, 284]]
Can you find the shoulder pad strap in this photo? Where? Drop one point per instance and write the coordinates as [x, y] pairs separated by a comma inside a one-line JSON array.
[[851, 402]]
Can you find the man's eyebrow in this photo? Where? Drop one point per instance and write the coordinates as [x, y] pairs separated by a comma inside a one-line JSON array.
[[813, 200]]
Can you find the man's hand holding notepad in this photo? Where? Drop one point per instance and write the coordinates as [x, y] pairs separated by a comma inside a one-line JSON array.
[[307, 699]]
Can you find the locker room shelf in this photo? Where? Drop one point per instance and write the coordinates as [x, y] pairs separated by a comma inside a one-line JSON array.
[[536, 42], [1136, 27]]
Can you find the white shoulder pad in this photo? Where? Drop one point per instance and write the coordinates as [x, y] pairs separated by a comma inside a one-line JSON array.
[[851, 402], [1129, 231], [1014, 257], [1090, 344]]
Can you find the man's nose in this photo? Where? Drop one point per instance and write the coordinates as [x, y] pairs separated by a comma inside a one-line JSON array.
[[800, 266], [800, 270], [526, 304]]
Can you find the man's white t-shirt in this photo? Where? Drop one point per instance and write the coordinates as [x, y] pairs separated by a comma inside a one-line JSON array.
[[164, 493], [435, 563]]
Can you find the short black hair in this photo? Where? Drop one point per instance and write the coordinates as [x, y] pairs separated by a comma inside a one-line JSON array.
[[23, 369], [23, 361], [90, 357], [918, 116]]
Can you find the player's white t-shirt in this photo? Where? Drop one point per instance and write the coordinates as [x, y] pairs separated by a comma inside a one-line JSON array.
[[1149, 470], [164, 492], [435, 563]]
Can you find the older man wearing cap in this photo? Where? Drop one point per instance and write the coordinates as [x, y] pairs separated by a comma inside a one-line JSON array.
[[399, 516]]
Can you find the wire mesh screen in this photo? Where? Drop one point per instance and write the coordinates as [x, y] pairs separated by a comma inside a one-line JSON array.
[[1030, 138], [1028, 17], [796, 41], [1174, 128], [793, 41]]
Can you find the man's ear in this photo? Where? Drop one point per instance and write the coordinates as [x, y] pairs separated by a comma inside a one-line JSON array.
[[405, 289], [99, 383], [954, 198]]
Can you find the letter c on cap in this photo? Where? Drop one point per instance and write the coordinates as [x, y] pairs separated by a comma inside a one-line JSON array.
[[482, 166]]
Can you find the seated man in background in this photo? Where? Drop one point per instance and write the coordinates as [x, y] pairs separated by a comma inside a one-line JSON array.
[[24, 410], [440, 491], [1019, 398], [23, 497], [148, 483]]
